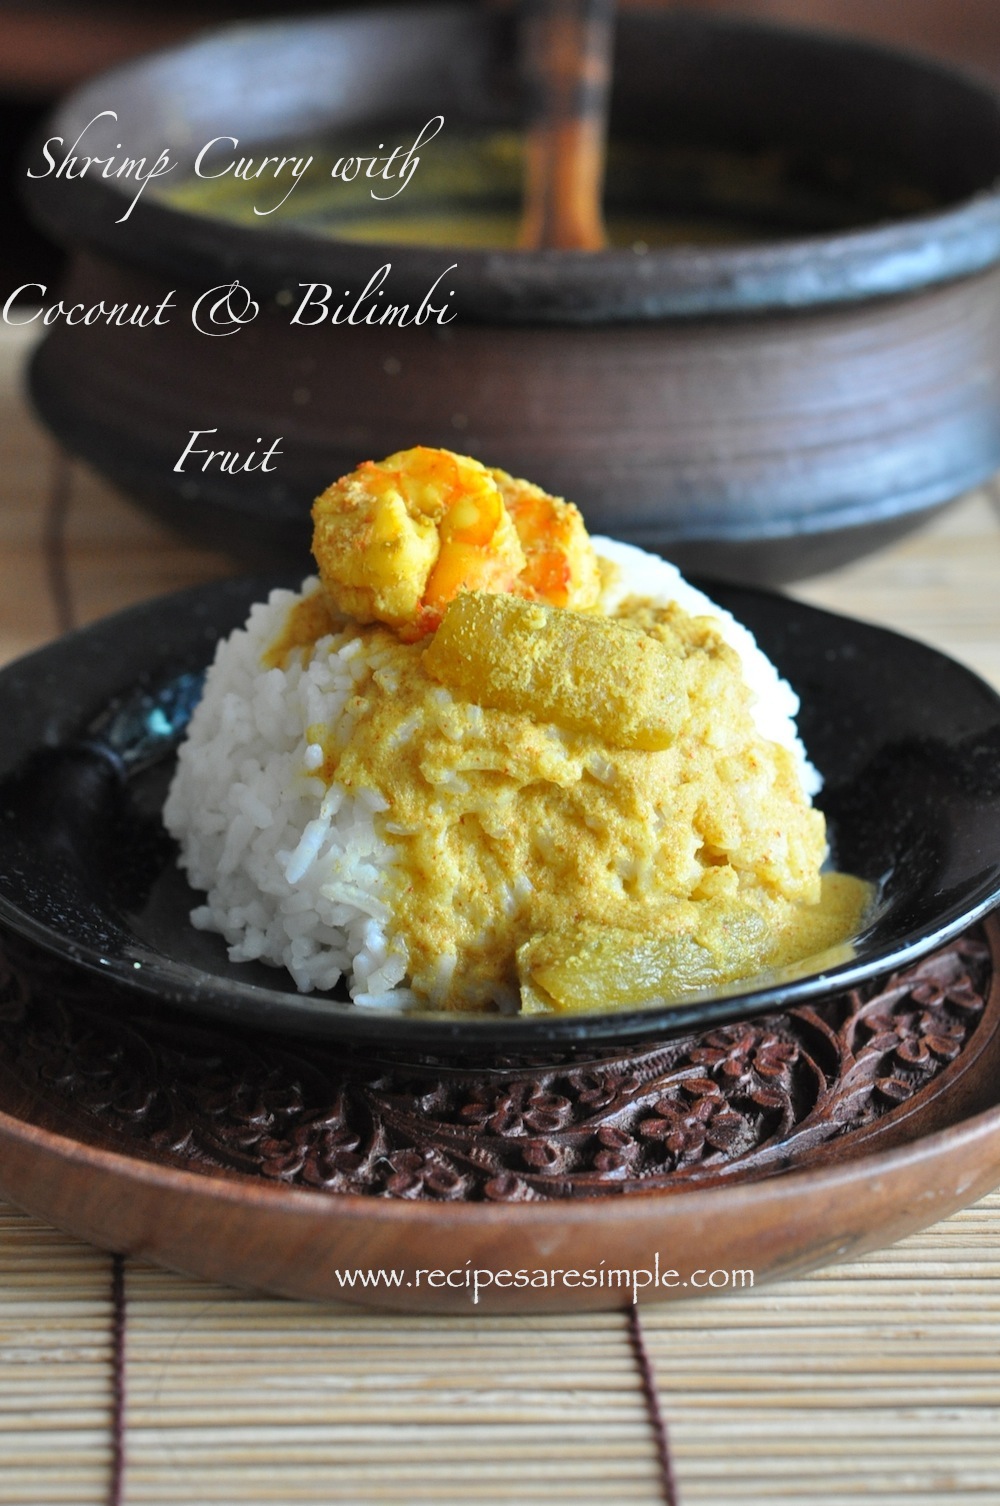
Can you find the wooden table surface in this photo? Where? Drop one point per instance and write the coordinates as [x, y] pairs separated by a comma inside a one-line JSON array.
[[877, 1380]]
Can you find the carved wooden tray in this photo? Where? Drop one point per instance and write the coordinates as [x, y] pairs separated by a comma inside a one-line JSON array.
[[767, 1147]]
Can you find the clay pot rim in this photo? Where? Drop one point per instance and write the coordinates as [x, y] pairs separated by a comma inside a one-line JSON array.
[[618, 285]]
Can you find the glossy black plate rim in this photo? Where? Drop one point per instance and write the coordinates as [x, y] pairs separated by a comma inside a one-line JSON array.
[[188, 624]]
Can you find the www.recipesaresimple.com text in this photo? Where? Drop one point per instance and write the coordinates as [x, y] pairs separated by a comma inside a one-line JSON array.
[[477, 1279]]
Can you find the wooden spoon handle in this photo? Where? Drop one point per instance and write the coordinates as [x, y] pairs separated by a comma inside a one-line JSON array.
[[566, 48]]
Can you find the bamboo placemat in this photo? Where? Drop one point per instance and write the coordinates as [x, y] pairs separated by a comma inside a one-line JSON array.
[[878, 1379], [875, 1380]]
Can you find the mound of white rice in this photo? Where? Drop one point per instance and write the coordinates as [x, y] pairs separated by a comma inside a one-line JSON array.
[[294, 871]]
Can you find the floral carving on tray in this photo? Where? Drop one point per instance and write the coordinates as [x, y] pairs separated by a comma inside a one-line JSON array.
[[739, 1101]]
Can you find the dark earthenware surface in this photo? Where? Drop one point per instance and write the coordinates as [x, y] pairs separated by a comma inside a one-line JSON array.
[[756, 449], [908, 742], [759, 411], [839, 111]]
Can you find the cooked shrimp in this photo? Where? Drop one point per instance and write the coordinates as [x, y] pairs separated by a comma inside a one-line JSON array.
[[562, 567], [397, 540]]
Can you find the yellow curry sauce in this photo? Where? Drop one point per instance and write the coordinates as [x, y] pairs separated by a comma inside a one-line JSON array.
[[581, 867]]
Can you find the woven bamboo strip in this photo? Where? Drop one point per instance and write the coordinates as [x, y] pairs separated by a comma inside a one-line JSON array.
[[54, 1442]]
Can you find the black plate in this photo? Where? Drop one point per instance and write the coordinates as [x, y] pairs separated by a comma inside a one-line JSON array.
[[907, 740]]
